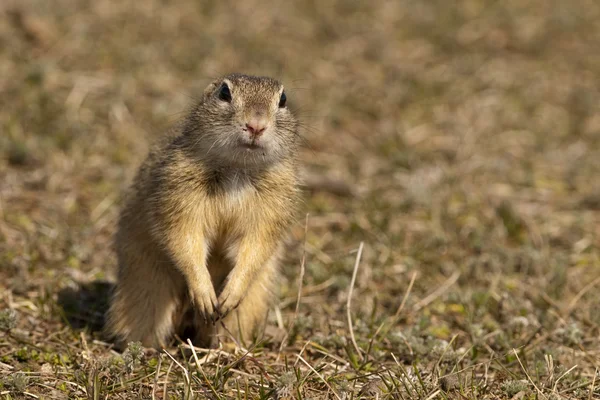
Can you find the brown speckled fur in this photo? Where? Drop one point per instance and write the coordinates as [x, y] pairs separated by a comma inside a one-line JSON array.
[[201, 231]]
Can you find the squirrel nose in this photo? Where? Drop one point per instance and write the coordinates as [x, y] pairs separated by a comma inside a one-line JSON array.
[[256, 127]]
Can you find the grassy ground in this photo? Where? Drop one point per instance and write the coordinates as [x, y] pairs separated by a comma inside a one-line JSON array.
[[459, 141]]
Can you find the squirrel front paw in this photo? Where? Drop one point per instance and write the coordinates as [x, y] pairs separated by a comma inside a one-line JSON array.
[[204, 300], [230, 298]]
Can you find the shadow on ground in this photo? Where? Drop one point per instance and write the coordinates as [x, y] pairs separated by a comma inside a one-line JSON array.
[[84, 307]]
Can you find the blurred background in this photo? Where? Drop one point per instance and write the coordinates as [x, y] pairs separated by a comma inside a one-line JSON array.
[[459, 140]]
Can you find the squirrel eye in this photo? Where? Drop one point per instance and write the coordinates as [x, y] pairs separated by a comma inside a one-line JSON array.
[[282, 100], [224, 93]]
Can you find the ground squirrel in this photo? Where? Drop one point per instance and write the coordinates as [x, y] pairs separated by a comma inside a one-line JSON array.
[[201, 231]]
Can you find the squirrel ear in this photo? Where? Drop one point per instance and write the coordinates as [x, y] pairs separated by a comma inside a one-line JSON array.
[[210, 89]]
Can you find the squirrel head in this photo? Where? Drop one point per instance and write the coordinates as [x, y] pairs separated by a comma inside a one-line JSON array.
[[243, 121]]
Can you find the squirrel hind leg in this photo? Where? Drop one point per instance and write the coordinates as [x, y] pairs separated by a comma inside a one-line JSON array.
[[144, 306], [248, 320], [191, 325]]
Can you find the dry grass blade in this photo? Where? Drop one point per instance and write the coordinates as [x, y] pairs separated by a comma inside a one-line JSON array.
[[438, 292], [319, 375], [410, 285], [185, 371], [593, 385], [199, 366], [155, 384], [580, 294], [167, 380], [433, 395], [562, 376], [300, 285], [301, 277], [527, 375], [349, 301]]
